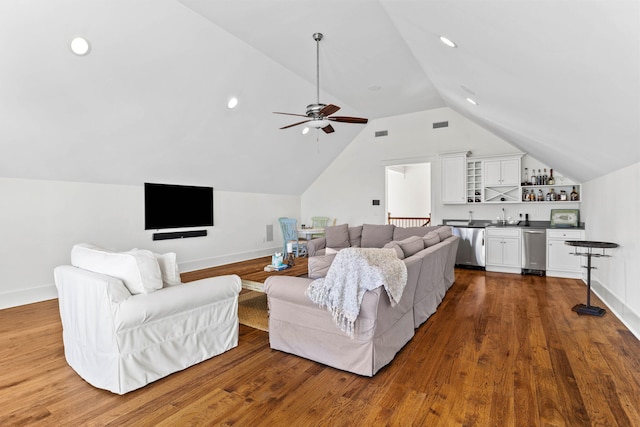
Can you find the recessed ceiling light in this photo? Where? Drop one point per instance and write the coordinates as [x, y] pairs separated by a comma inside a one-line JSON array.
[[448, 42], [80, 46], [472, 101], [305, 130], [233, 102]]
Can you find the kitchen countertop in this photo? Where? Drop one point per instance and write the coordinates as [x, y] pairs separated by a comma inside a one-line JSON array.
[[481, 223]]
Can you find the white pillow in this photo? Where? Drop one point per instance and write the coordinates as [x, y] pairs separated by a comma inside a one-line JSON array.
[[138, 268], [330, 251], [169, 268]]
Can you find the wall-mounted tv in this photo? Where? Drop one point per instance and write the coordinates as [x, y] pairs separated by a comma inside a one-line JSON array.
[[177, 206]]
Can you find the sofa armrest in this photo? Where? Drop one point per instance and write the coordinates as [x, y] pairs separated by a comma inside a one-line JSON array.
[[314, 245], [173, 300]]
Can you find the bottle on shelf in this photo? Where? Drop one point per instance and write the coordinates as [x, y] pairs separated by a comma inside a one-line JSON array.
[[540, 195], [526, 176], [552, 181], [563, 195], [554, 197], [533, 177], [574, 195], [545, 177]]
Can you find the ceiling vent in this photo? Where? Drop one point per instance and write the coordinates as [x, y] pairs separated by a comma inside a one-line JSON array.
[[437, 125], [382, 133]]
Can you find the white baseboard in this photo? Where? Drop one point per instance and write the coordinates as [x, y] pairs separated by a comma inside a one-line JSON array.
[[226, 259], [618, 308], [28, 296]]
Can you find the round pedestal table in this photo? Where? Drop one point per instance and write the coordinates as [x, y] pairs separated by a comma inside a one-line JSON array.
[[589, 253]]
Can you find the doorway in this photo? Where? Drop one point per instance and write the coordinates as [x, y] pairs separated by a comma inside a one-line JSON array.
[[409, 190]]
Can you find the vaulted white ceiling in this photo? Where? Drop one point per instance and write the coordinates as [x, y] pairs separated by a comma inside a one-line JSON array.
[[557, 79]]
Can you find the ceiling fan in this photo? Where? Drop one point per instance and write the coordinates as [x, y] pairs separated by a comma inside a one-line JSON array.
[[320, 115]]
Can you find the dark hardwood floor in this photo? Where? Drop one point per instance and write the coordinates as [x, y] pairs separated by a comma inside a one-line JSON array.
[[502, 350]]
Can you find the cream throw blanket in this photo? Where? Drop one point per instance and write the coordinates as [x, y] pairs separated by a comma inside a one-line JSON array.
[[354, 271]]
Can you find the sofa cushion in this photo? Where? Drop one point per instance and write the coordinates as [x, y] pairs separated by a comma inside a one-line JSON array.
[[411, 245], [337, 236], [401, 233], [376, 235], [168, 268], [431, 238], [138, 268], [444, 232], [355, 236], [319, 265], [396, 247]]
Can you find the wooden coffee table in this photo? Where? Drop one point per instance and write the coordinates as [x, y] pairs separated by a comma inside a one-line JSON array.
[[251, 270]]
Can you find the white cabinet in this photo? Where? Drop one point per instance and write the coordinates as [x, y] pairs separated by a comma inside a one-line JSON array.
[[503, 249], [454, 177], [502, 172], [501, 180], [560, 261]]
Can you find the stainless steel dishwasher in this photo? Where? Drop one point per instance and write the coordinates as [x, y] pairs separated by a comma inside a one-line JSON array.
[[534, 251], [471, 247]]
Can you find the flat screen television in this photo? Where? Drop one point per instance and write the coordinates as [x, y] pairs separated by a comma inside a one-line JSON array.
[[177, 206]]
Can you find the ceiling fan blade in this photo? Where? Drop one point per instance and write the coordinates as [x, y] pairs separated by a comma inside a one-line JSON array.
[[328, 110], [290, 114], [345, 119], [296, 124], [328, 129]]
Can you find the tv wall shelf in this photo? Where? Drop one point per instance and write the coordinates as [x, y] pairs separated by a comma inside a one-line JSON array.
[[179, 234]]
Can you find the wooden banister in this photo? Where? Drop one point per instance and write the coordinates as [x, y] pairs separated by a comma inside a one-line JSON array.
[[406, 221]]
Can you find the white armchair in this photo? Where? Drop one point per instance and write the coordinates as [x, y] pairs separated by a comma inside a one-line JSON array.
[[120, 341]]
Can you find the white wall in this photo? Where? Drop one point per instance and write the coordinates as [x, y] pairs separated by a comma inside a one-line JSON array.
[[41, 220], [611, 206], [345, 190]]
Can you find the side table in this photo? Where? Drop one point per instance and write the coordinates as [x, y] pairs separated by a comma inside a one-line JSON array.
[[590, 246]]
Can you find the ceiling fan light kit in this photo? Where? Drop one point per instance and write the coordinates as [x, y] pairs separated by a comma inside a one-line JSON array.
[[319, 115]]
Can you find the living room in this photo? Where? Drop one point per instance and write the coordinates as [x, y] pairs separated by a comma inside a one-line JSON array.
[[81, 135]]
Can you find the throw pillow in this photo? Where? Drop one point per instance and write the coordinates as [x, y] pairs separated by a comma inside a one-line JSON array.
[[337, 236], [396, 247], [168, 268], [401, 233], [330, 251], [444, 232], [355, 236], [431, 238], [138, 269], [376, 235], [411, 245]]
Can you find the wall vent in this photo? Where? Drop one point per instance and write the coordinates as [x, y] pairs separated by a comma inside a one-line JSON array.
[[437, 125], [269, 232], [381, 133]]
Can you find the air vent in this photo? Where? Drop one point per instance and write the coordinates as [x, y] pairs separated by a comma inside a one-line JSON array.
[[382, 133], [437, 125]]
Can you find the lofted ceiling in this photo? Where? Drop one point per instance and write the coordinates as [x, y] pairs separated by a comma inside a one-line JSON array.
[[557, 79]]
